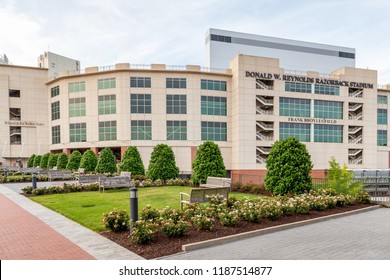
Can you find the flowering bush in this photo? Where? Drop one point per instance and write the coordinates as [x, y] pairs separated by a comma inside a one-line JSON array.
[[191, 210], [66, 188], [149, 214], [147, 183], [202, 222], [248, 211], [270, 210], [229, 218], [171, 214], [143, 232], [116, 220], [174, 228]]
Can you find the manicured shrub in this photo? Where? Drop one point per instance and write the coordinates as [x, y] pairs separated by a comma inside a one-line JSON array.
[[149, 213], [44, 161], [208, 162], [288, 168], [30, 162], [52, 161], [162, 163], [132, 162], [116, 220], [37, 160], [62, 161], [88, 161], [74, 160], [106, 162]]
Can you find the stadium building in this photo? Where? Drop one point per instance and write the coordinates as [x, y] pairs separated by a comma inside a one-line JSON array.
[[244, 108]]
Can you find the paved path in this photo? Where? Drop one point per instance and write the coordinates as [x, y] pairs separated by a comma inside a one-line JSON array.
[[31, 231], [364, 236]]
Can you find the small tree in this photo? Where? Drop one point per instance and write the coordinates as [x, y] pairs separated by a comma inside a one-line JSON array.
[[132, 162], [162, 163], [44, 161], [88, 161], [106, 162], [208, 162], [52, 161], [30, 162], [37, 160], [341, 179], [288, 168], [74, 160], [62, 161]]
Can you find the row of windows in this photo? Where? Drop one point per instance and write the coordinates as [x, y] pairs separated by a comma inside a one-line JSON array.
[[142, 130], [138, 82], [324, 133], [307, 88], [142, 104], [302, 108]]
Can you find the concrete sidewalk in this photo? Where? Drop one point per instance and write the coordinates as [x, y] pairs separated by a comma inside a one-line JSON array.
[[31, 231], [362, 236]]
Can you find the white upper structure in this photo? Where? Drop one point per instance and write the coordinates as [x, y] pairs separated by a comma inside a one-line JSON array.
[[56, 63], [222, 46]]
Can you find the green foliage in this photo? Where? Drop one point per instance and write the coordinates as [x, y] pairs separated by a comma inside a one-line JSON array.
[[62, 161], [30, 162], [132, 162], [44, 161], [342, 180], [52, 161], [288, 168], [74, 160], [37, 160], [116, 220], [208, 162], [143, 232], [162, 163], [88, 161], [106, 162]]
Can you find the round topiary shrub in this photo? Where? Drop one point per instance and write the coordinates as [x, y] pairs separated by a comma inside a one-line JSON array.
[[52, 161], [88, 161], [74, 160], [106, 162], [132, 162], [62, 161], [30, 162], [37, 160], [288, 168], [44, 161], [162, 163], [208, 162]]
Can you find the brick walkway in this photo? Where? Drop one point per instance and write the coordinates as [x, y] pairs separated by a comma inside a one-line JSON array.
[[30, 231], [25, 237]]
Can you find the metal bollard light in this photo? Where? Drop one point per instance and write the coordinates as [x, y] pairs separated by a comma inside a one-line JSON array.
[[34, 181], [133, 207]]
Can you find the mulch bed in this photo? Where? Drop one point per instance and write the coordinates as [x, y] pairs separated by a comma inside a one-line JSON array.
[[163, 246]]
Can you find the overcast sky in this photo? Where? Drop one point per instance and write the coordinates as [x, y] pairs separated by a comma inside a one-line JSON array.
[[105, 32]]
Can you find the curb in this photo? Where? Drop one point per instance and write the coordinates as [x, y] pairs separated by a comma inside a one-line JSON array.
[[249, 234]]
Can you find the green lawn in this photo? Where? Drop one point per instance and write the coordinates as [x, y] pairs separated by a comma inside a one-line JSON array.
[[86, 208]]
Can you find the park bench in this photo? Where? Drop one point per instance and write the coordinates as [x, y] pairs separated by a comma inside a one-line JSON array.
[[58, 174], [213, 182], [198, 195], [114, 182], [86, 179]]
